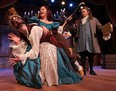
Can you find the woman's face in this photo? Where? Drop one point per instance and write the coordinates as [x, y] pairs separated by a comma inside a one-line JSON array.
[[84, 13], [43, 12]]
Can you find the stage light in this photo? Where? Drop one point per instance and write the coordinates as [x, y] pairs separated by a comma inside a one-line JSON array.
[[71, 4], [52, 1], [63, 2]]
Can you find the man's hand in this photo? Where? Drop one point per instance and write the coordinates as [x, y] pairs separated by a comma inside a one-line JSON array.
[[13, 37], [14, 61]]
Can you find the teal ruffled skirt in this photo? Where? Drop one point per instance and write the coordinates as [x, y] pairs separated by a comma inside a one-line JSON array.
[[65, 71], [28, 74]]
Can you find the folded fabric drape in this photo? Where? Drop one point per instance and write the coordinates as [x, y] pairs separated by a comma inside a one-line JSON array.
[[97, 2], [5, 3], [110, 7]]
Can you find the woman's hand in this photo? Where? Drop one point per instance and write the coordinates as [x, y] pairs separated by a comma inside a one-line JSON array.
[[13, 37], [69, 18], [66, 21], [45, 30], [14, 61]]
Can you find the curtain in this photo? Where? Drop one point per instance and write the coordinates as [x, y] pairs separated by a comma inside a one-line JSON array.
[[110, 6], [111, 9], [97, 2], [5, 3]]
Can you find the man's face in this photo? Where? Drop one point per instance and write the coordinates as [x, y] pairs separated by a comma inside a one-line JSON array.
[[84, 13], [16, 21]]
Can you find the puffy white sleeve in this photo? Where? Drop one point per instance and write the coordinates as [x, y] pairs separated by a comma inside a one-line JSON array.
[[34, 38], [60, 29], [18, 49]]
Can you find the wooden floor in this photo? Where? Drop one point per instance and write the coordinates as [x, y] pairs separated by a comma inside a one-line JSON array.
[[104, 81]]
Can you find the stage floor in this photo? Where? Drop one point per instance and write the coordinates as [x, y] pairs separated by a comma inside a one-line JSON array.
[[104, 81]]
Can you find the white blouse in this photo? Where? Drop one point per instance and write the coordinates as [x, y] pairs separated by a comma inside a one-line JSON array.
[[34, 39]]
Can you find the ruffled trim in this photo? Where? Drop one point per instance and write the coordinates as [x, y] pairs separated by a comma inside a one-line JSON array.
[[56, 25]]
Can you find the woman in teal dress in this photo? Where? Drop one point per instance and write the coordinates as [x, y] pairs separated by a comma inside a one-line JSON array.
[[66, 74], [31, 66]]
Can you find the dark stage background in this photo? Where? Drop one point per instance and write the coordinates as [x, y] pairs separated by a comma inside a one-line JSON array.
[[104, 10]]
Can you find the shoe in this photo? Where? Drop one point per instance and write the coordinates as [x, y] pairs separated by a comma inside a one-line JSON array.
[[81, 72], [92, 73]]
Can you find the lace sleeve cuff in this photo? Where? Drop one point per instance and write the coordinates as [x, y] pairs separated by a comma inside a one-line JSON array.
[[60, 29]]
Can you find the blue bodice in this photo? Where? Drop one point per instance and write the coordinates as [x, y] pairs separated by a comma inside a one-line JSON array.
[[51, 26]]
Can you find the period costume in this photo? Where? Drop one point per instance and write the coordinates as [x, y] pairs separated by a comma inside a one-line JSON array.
[[66, 74], [82, 35], [27, 70], [42, 63], [87, 43]]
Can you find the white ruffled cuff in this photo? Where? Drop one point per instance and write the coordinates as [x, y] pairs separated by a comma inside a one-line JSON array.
[[107, 37], [14, 45], [23, 58], [60, 29]]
